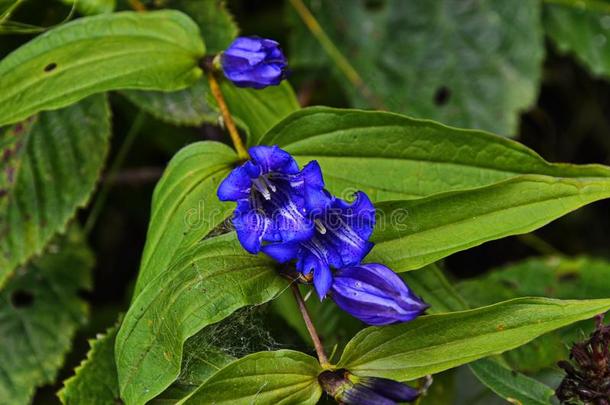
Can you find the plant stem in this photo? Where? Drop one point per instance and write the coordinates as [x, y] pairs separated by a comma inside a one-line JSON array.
[[10, 10], [242, 152], [538, 244], [136, 126], [335, 54], [309, 324]]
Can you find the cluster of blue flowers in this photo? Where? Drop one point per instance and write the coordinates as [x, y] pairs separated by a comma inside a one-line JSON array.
[[287, 214]]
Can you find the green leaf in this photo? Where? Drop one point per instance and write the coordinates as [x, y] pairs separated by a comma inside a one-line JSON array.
[[183, 107], [92, 7], [421, 58], [413, 233], [95, 380], [202, 286], [510, 385], [435, 343], [216, 23], [430, 284], [40, 311], [581, 28], [282, 377], [259, 110], [151, 51], [190, 106], [390, 156], [200, 366], [48, 171], [185, 207], [557, 277]]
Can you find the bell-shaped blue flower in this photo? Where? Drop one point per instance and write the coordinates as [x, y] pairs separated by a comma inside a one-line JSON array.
[[254, 62], [270, 193], [341, 238], [375, 294]]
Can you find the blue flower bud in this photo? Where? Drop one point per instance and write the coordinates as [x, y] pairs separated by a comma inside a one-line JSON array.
[[375, 294], [350, 389], [391, 389], [254, 62]]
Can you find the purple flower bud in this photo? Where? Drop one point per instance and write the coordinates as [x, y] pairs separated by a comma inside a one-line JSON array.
[[350, 389], [391, 389], [254, 62], [375, 294]]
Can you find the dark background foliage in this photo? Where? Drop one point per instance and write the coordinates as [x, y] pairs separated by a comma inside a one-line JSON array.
[[569, 122]]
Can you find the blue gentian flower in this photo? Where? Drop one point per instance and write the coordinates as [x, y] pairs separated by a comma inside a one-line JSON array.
[[254, 62], [341, 238], [270, 193], [375, 294]]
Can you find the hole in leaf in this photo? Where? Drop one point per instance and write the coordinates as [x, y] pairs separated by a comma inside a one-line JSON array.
[[442, 95], [22, 299], [374, 5], [50, 67]]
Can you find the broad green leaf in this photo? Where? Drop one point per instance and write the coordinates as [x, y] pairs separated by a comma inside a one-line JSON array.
[[256, 111], [151, 51], [434, 288], [95, 380], [475, 64], [51, 165], [413, 233], [390, 156], [282, 377], [40, 311], [435, 343], [201, 365], [92, 7], [217, 26], [206, 283], [182, 107], [583, 29], [190, 106], [557, 277], [510, 385], [185, 207]]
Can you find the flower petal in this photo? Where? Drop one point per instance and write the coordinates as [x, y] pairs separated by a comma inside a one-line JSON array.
[[347, 227], [317, 200], [322, 279], [237, 184], [282, 252], [273, 159], [375, 294], [286, 212], [250, 226]]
